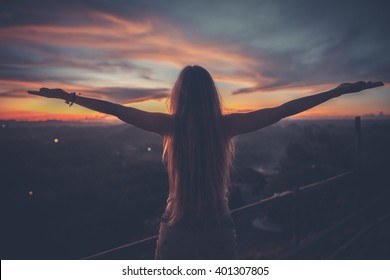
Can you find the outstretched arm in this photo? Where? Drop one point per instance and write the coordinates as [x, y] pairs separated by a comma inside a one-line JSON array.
[[248, 122], [153, 122]]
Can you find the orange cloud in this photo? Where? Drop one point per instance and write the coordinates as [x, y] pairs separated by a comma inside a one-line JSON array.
[[151, 39]]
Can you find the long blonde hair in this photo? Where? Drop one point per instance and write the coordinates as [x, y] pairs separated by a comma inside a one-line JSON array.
[[197, 153]]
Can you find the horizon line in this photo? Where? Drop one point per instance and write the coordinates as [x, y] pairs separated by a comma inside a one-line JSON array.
[[114, 121]]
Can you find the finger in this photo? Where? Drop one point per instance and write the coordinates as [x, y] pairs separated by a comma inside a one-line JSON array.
[[360, 83], [378, 84], [44, 89], [374, 84]]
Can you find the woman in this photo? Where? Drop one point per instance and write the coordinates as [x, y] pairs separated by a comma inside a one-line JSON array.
[[198, 153]]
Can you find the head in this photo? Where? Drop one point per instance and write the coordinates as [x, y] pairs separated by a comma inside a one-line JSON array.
[[194, 92], [197, 152]]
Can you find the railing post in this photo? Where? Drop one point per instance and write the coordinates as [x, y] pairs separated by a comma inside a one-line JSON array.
[[375, 244], [296, 217], [358, 144], [358, 165]]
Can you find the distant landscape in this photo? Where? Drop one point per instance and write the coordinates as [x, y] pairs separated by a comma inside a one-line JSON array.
[[71, 189]]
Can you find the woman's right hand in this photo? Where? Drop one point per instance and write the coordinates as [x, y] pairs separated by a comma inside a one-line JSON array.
[[356, 87], [51, 93]]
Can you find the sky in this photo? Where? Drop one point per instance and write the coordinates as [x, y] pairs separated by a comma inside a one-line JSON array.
[[260, 53]]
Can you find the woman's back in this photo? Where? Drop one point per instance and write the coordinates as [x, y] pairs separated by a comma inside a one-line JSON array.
[[197, 151]]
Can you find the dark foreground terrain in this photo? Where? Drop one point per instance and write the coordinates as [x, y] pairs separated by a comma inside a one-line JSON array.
[[69, 190]]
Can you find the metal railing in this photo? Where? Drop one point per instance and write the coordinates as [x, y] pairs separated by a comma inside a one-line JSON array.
[[341, 238], [292, 196]]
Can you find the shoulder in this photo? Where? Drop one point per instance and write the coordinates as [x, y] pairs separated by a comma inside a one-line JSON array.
[[163, 123], [240, 123], [230, 124]]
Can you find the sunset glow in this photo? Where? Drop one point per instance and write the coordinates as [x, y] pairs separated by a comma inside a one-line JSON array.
[[132, 54]]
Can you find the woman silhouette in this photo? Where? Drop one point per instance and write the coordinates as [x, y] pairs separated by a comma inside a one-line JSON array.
[[198, 153]]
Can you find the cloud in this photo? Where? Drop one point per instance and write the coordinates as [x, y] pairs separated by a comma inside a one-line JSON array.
[[132, 50], [110, 42], [15, 89], [274, 43], [323, 42], [129, 95]]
